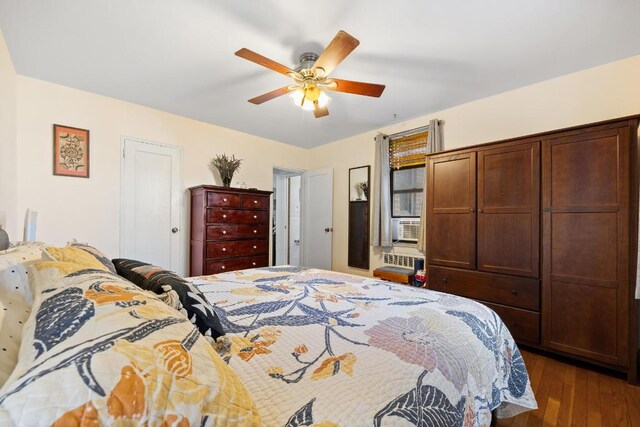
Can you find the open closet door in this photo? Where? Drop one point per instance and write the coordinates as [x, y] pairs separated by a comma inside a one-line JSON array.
[[317, 218]]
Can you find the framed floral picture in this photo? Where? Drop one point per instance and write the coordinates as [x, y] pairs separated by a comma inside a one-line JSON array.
[[70, 151]]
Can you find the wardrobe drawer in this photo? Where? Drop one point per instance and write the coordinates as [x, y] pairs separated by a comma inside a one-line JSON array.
[[218, 215], [499, 288], [229, 200], [255, 202], [524, 325], [236, 231], [220, 266], [238, 248]]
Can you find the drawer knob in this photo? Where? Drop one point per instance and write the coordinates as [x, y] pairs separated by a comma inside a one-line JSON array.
[[253, 263], [224, 249], [224, 231], [222, 267], [255, 231], [255, 247], [255, 201], [224, 216], [255, 216], [514, 292], [224, 200], [445, 280]]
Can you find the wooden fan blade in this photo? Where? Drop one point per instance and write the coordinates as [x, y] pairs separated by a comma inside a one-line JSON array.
[[357, 88], [339, 48], [252, 56], [319, 111], [270, 95]]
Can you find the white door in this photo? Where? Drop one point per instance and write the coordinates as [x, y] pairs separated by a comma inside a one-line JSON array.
[[151, 199], [317, 218]]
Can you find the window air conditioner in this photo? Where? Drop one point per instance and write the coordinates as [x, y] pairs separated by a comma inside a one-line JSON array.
[[408, 230]]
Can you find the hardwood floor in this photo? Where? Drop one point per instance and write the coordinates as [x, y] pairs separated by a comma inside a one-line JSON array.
[[569, 395]]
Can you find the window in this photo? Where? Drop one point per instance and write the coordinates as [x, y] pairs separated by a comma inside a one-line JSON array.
[[406, 191], [407, 157]]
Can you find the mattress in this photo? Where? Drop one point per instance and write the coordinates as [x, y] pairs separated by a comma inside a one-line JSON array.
[[326, 348]]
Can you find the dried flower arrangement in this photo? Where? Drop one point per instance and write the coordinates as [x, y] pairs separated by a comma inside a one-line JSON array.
[[226, 167], [364, 187]]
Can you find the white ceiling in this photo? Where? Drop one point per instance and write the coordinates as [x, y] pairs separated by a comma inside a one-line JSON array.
[[178, 55]]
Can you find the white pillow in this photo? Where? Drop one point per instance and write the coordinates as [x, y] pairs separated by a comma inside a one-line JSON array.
[[13, 315], [14, 270]]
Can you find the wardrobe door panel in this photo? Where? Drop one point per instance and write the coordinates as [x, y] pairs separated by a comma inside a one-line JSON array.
[[451, 200], [586, 249], [508, 209]]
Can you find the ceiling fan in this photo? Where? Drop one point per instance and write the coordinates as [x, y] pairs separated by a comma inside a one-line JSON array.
[[311, 75]]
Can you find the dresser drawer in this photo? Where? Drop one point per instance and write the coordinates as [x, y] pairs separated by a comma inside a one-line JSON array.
[[220, 266], [236, 231], [218, 215], [498, 288], [237, 248], [524, 325], [228, 200], [255, 202]]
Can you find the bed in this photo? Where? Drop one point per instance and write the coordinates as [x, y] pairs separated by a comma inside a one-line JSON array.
[[316, 347], [123, 342]]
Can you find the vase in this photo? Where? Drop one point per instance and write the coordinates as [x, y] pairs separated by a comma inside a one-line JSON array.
[[226, 181]]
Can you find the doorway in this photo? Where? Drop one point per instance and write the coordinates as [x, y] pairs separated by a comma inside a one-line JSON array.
[[150, 203], [302, 218], [286, 217]]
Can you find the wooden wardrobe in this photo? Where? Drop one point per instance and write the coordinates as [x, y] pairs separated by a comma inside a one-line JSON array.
[[543, 230]]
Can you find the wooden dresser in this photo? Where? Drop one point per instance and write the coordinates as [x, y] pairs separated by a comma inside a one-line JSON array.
[[229, 229], [542, 230]]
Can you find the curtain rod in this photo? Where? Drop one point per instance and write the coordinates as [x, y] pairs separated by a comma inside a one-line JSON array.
[[408, 132]]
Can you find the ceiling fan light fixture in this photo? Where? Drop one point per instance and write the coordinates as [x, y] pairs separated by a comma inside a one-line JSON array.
[[308, 104]]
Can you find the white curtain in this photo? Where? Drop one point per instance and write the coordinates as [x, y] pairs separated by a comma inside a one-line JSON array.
[[435, 142], [381, 231]]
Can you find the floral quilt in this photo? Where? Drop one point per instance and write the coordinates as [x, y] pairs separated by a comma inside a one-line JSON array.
[[329, 349]]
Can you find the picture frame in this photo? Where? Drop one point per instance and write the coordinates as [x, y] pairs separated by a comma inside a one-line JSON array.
[[70, 151]]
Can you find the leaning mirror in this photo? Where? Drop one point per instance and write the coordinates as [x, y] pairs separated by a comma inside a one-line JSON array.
[[359, 217]]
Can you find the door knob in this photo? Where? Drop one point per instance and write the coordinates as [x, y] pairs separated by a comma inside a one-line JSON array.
[[328, 229], [174, 230]]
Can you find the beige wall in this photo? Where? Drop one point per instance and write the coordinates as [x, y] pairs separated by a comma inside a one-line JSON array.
[[8, 144], [600, 93], [89, 209]]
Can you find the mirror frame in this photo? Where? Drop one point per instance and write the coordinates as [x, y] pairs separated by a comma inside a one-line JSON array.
[[359, 219]]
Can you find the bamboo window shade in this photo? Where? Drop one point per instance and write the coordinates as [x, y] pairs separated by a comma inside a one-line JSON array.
[[408, 151]]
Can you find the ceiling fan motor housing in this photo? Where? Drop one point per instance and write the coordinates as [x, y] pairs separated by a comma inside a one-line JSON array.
[[307, 60]]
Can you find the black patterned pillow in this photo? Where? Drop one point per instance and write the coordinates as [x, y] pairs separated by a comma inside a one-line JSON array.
[[191, 301]]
